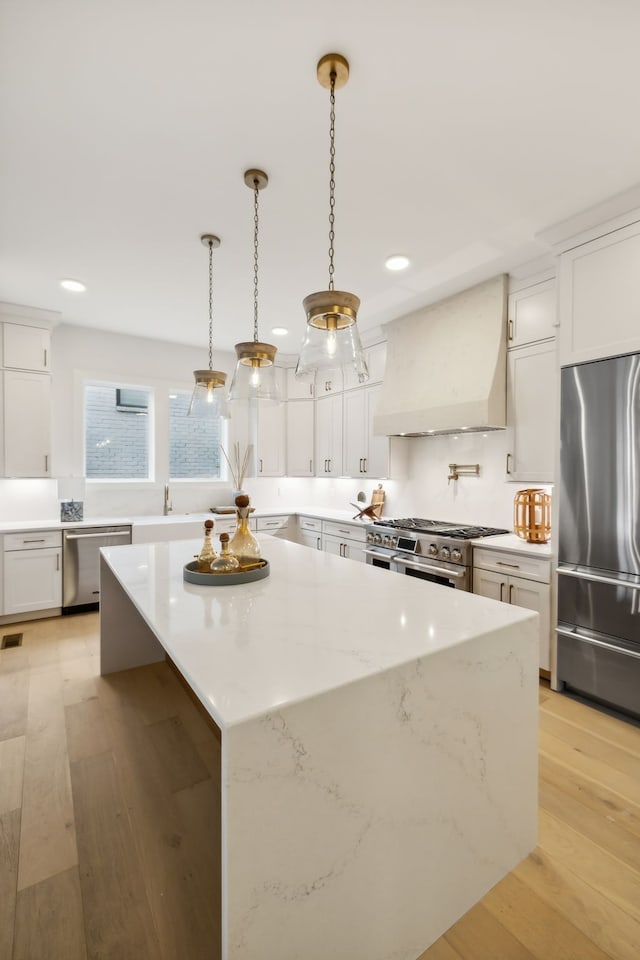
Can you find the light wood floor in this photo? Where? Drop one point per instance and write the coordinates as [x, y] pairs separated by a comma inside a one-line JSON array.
[[108, 847]]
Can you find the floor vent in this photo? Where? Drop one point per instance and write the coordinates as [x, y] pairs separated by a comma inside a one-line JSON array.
[[11, 640]]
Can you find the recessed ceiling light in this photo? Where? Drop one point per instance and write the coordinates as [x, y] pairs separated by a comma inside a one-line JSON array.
[[279, 331], [397, 262], [74, 285]]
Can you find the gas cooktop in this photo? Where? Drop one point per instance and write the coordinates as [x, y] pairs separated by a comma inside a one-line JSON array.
[[442, 528]]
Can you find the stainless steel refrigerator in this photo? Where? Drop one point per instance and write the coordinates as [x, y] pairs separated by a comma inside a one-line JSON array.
[[599, 539]]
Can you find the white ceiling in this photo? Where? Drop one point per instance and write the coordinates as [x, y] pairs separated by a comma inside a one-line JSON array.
[[467, 126]]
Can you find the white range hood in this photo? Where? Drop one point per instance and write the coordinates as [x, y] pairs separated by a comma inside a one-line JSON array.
[[446, 366]]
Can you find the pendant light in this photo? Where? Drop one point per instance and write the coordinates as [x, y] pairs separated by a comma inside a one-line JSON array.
[[332, 339], [207, 400], [255, 375]]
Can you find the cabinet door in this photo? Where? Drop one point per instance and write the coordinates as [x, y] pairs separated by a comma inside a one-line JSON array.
[[332, 545], [300, 438], [27, 424], [531, 412], [32, 580], [599, 297], [298, 389], [532, 314], [488, 584], [353, 550], [534, 596], [308, 539], [26, 348], [271, 446], [329, 436], [376, 357], [356, 428]]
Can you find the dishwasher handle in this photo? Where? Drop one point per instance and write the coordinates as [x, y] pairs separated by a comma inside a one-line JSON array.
[[93, 536]]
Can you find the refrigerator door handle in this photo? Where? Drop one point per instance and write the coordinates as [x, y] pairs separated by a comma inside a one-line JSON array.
[[596, 578], [585, 638]]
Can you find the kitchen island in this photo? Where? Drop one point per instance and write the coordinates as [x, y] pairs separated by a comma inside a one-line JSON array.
[[378, 737]]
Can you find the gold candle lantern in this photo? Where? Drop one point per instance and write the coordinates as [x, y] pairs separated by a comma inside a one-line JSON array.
[[532, 515]]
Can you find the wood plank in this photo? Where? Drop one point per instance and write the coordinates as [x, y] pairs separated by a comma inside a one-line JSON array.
[[118, 921], [625, 786], [47, 834], [596, 866], [49, 920], [608, 926], [87, 732], [9, 843], [11, 773], [480, 936], [182, 764], [601, 827], [584, 742], [541, 929], [600, 724], [441, 950], [591, 792], [79, 678], [14, 700]]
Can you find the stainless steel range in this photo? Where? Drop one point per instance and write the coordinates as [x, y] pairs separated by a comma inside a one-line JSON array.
[[431, 550]]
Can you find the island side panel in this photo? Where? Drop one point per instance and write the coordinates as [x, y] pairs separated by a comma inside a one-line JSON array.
[[360, 825], [126, 640]]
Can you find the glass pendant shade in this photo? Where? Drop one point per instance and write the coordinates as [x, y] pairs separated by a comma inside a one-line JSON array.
[[207, 399], [332, 340], [254, 377]]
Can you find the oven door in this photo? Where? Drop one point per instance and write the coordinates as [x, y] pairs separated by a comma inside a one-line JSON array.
[[379, 557], [435, 571]]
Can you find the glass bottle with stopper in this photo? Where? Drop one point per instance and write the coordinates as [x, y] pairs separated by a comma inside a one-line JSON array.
[[207, 555], [226, 562], [244, 545]]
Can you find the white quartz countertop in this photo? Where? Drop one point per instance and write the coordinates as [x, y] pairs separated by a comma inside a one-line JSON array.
[[515, 544], [316, 623]]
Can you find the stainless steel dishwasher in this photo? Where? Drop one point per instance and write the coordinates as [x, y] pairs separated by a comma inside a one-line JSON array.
[[81, 563]]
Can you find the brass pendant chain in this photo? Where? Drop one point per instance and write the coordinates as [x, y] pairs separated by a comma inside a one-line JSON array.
[[256, 191], [210, 305], [332, 173]]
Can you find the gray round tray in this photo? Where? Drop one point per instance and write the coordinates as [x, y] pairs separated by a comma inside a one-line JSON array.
[[191, 573]]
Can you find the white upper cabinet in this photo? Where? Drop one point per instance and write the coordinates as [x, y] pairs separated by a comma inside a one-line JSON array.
[[599, 297], [532, 375], [328, 460], [300, 446], [27, 424], [364, 453], [376, 357], [532, 314], [298, 389], [26, 347], [271, 439]]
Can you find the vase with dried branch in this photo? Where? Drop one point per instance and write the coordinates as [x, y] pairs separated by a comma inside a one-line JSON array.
[[238, 464]]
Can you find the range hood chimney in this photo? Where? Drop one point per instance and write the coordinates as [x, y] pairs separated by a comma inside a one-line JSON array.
[[446, 366]]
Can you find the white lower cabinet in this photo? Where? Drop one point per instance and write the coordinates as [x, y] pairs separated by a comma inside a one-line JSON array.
[[309, 532], [520, 581], [32, 577], [343, 540]]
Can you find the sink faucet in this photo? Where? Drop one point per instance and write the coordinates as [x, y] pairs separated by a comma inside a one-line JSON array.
[[167, 506]]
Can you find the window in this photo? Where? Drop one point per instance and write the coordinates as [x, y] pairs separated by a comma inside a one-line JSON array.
[[194, 442], [116, 432]]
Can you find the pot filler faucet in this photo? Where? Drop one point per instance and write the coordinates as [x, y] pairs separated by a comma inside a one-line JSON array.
[[167, 505]]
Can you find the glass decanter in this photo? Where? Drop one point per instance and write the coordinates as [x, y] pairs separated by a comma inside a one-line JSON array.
[[207, 555], [244, 545], [226, 562]]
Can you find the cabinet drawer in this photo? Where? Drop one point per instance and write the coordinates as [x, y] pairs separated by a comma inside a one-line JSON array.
[[349, 530], [273, 523], [32, 541], [310, 523], [512, 564]]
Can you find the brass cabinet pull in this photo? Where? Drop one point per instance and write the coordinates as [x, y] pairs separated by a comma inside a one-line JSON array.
[[310, 466], [510, 329], [364, 460], [46, 463], [501, 590], [260, 464], [510, 592], [508, 459], [45, 356], [57, 562], [503, 563], [319, 542]]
